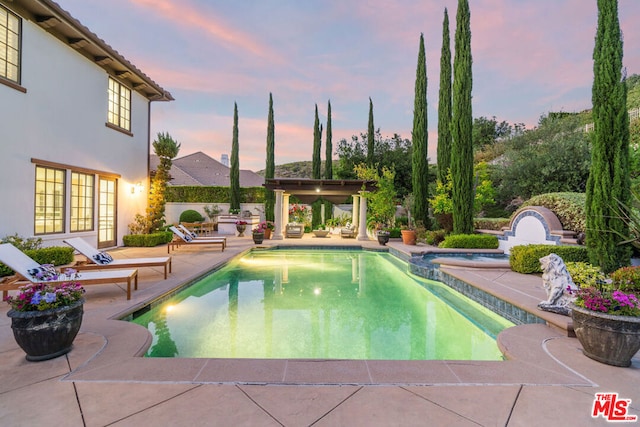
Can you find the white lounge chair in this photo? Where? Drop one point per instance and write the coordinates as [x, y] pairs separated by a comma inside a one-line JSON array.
[[187, 240], [26, 269], [102, 260]]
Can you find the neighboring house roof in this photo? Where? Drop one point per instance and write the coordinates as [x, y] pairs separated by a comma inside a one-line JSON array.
[[200, 169], [59, 23]]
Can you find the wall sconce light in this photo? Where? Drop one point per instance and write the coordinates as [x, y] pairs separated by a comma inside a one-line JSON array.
[[137, 188]]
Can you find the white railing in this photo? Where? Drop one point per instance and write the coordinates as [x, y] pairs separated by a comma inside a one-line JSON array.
[[633, 114]]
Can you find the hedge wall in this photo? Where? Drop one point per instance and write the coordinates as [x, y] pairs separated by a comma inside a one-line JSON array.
[[56, 255], [201, 194], [526, 258]]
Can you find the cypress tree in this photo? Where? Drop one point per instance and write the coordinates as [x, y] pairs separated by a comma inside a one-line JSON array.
[[419, 170], [235, 164], [316, 216], [444, 103], [370, 136], [328, 163], [462, 124], [608, 182], [269, 172]]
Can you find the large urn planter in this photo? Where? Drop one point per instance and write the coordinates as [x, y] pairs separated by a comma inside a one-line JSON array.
[[607, 338], [383, 238], [46, 334], [408, 237], [240, 229], [258, 238]]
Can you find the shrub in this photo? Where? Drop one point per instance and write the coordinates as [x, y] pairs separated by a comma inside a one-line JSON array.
[[470, 241], [56, 255], [435, 237], [568, 207], [496, 224], [191, 216], [584, 274], [394, 233], [147, 240], [526, 258], [23, 243], [626, 279]]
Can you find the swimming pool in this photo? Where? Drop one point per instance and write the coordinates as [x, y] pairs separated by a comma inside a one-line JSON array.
[[321, 304]]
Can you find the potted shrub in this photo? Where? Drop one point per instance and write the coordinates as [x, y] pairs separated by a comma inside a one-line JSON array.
[[408, 232], [46, 317], [606, 316], [267, 227], [383, 237]]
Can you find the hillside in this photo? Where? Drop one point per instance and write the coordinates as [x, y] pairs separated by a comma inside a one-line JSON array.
[[296, 169]]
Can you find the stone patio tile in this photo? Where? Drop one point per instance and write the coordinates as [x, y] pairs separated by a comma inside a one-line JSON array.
[[411, 372], [141, 369], [486, 405], [123, 399], [554, 407], [298, 405], [256, 371], [49, 402], [391, 406], [207, 405], [327, 372], [17, 372]]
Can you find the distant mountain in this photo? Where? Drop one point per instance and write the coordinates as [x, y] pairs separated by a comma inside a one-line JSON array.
[[296, 169]]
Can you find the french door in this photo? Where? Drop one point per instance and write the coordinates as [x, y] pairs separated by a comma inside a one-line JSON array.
[[107, 212]]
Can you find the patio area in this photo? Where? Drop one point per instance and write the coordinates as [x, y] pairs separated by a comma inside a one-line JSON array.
[[103, 381]]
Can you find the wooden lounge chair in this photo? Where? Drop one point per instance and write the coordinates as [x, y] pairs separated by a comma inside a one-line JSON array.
[[188, 240], [23, 266], [294, 230], [186, 231], [97, 260]]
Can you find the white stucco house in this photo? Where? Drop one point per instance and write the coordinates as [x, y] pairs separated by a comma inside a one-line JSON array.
[[74, 129]]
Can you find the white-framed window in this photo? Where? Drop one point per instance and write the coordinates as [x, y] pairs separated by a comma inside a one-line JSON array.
[[119, 105], [10, 26], [49, 200], [82, 197]]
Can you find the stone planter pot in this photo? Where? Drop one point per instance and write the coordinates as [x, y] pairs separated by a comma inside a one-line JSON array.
[[609, 339], [408, 237], [267, 233], [240, 228], [383, 238], [44, 335], [258, 238]]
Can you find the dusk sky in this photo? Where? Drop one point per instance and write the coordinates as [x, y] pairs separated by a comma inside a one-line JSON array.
[[529, 57]]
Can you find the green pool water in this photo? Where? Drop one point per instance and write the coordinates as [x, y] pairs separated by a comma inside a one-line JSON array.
[[321, 304]]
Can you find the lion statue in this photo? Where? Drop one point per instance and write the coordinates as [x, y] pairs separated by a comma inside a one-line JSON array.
[[558, 284]]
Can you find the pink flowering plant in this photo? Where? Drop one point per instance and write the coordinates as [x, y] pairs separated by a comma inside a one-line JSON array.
[[241, 222], [47, 295], [298, 214], [617, 295]]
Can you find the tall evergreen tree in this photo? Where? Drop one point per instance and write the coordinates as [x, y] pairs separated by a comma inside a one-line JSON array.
[[370, 136], [419, 163], [316, 214], [235, 164], [328, 163], [608, 181], [166, 149], [462, 125], [269, 172], [444, 103]]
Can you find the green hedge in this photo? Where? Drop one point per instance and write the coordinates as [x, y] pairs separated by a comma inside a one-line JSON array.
[[191, 216], [470, 241], [201, 194], [490, 223], [147, 240], [568, 207], [526, 258], [56, 255]]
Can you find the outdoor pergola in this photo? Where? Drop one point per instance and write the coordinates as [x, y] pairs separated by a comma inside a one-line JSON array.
[[310, 190]]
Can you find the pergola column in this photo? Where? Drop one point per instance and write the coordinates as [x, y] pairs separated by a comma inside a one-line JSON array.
[[356, 210], [362, 222], [277, 231], [285, 209]]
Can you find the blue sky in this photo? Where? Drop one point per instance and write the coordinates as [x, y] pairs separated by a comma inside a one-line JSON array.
[[529, 57]]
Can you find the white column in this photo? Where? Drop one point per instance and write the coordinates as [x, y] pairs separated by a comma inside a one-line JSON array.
[[285, 209], [356, 209], [277, 231], [362, 229]]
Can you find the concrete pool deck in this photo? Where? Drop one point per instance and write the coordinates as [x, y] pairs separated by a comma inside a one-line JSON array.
[[102, 381]]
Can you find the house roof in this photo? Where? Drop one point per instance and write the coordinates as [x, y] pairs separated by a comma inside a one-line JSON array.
[[59, 23], [200, 169]]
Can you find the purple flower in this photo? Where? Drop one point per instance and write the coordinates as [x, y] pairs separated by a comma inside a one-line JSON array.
[[36, 298], [50, 297]]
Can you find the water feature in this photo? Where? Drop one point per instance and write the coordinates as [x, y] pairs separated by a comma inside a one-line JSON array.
[[324, 304]]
